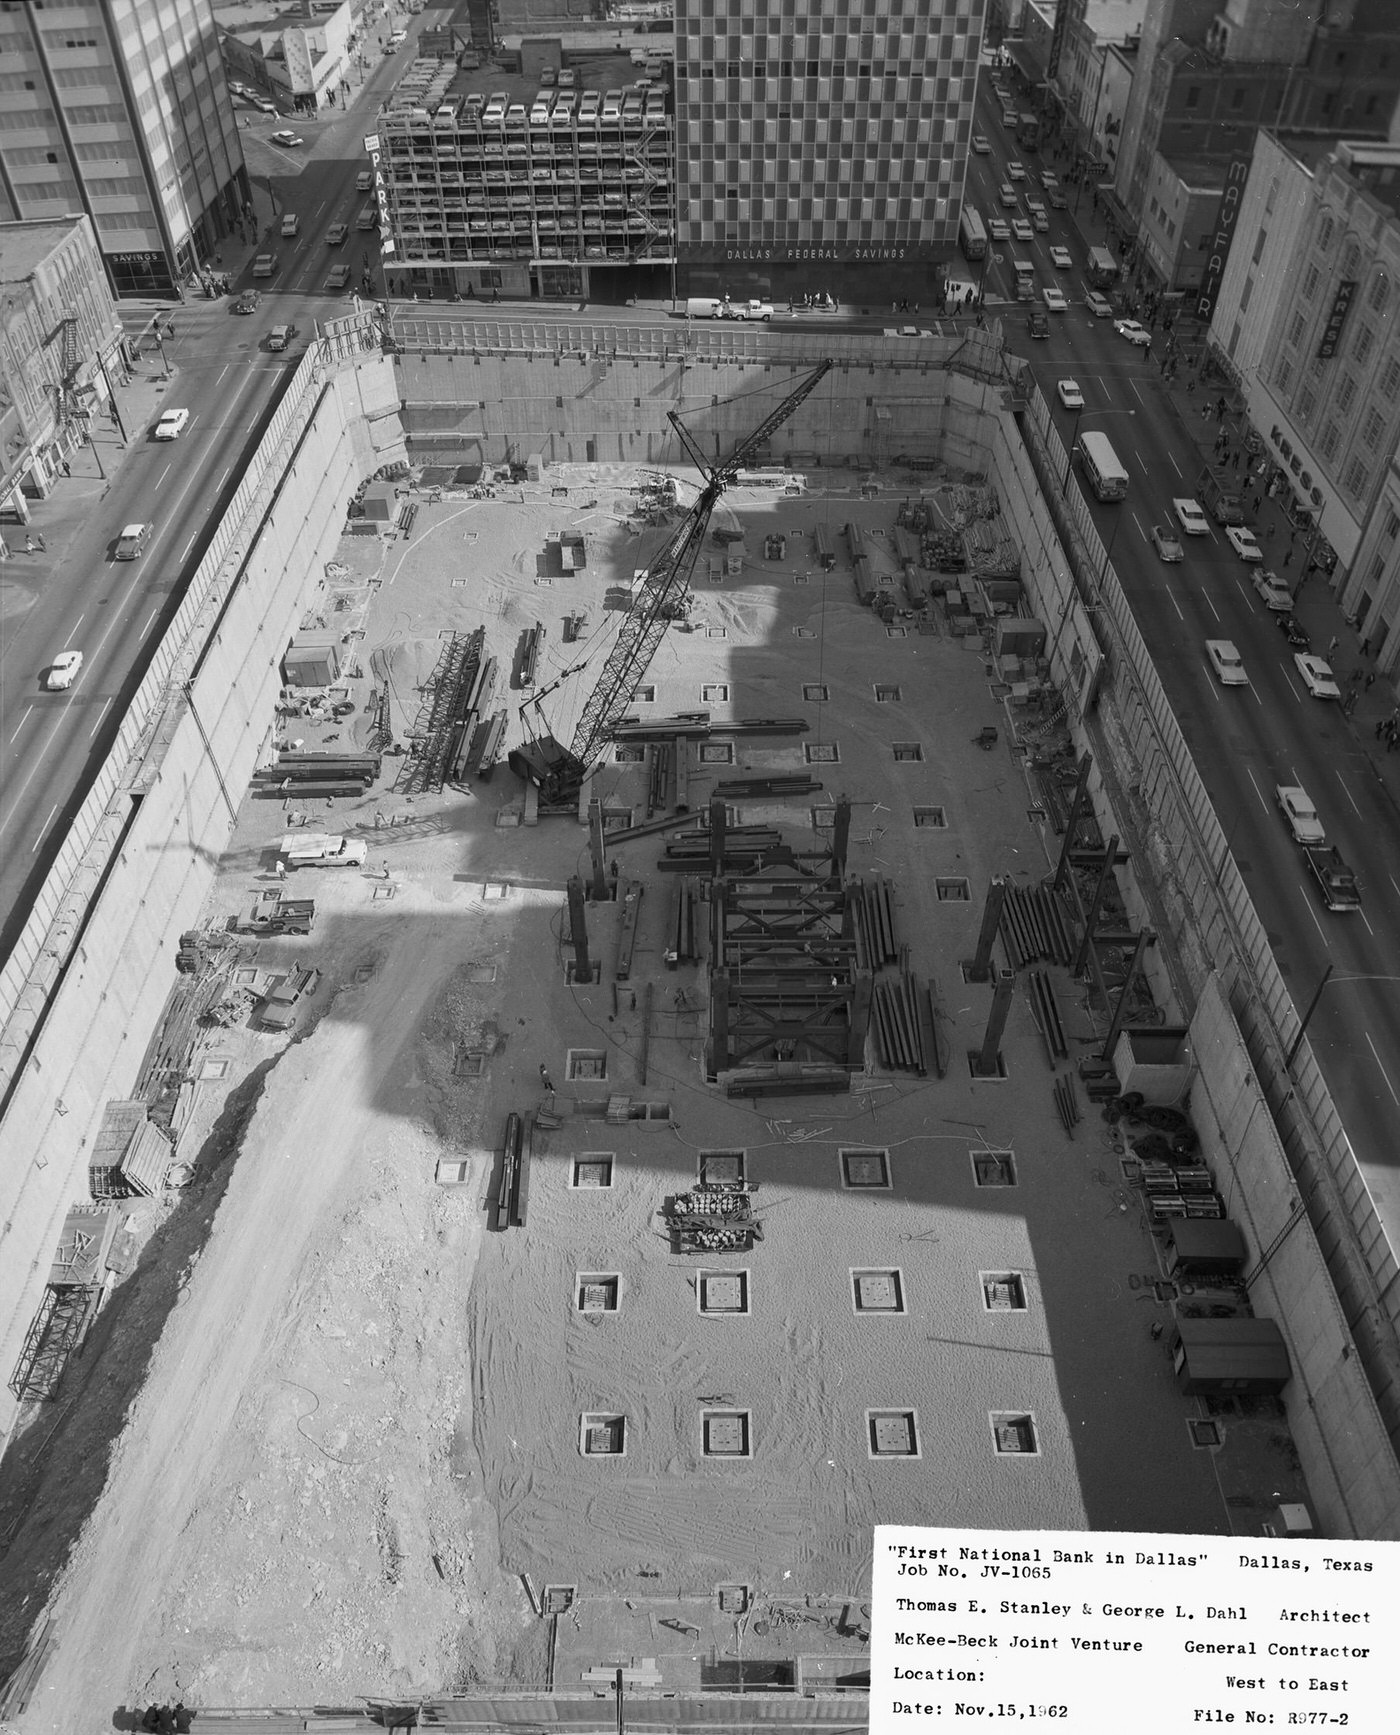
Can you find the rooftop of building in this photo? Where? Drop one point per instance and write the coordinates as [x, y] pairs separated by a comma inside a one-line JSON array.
[[25, 246], [433, 84]]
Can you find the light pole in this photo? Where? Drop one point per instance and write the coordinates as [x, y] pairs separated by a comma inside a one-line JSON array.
[[1327, 976], [1074, 439]]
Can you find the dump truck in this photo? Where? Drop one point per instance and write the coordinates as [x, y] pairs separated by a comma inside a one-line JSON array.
[[1216, 494], [321, 849], [1335, 880], [271, 913]]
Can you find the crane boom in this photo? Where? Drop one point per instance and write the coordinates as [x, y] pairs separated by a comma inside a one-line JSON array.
[[662, 599]]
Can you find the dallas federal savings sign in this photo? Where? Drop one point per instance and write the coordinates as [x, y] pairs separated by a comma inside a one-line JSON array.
[[813, 253]]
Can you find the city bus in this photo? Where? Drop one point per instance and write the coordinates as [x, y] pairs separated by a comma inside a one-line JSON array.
[[1106, 475], [972, 234]]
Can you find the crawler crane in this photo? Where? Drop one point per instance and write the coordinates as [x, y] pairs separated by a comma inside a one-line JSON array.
[[663, 597]]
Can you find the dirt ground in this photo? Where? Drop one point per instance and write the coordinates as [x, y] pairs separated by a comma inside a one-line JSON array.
[[315, 1460]]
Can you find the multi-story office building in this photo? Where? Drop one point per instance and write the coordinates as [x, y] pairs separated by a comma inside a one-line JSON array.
[[1305, 324], [828, 132], [529, 182], [118, 108], [60, 345]]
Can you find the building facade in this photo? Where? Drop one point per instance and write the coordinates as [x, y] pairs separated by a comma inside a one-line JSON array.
[[61, 345], [1306, 324], [491, 181], [304, 59], [119, 109], [827, 131]]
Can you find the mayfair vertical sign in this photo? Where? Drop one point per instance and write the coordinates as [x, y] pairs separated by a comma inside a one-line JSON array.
[[1336, 319], [1220, 237]]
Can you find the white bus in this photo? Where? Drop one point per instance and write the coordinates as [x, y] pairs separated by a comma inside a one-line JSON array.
[[1107, 477]]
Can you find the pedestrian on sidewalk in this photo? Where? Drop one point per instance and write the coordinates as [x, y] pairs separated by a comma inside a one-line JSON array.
[[1366, 683], [545, 1079], [1332, 646]]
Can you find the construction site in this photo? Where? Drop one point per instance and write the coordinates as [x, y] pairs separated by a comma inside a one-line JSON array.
[[677, 1062]]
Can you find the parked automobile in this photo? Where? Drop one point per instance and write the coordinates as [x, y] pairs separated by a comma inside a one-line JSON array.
[[1316, 675], [63, 671], [172, 424], [1241, 539], [1167, 543], [1225, 660], [1276, 596]]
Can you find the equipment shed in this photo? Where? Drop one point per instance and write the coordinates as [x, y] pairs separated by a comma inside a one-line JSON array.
[[1246, 1356], [1203, 1246]]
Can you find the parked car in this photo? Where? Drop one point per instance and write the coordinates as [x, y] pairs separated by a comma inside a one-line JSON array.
[[1274, 592], [1225, 660], [1099, 305], [1070, 394], [1317, 676], [1135, 333], [132, 541], [1167, 543], [291, 226], [288, 140], [172, 424], [1055, 299], [1241, 539], [1296, 806], [1190, 516], [63, 671], [1294, 631], [336, 234], [1060, 258]]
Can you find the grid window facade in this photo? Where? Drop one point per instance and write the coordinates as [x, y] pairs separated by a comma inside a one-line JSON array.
[[809, 132]]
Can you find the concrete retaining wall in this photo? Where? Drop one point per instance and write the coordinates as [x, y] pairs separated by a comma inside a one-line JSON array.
[[150, 852]]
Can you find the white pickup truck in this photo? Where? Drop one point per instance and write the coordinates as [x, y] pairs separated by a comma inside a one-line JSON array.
[[321, 849], [747, 310]]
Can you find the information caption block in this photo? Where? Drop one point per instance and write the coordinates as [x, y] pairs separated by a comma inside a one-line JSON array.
[[1102, 1632]]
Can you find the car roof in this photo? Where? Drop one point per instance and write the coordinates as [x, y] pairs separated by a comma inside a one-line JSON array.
[[132, 529]]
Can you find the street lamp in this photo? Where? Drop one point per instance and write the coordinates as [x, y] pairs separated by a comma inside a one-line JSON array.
[[1079, 416], [1327, 976]]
